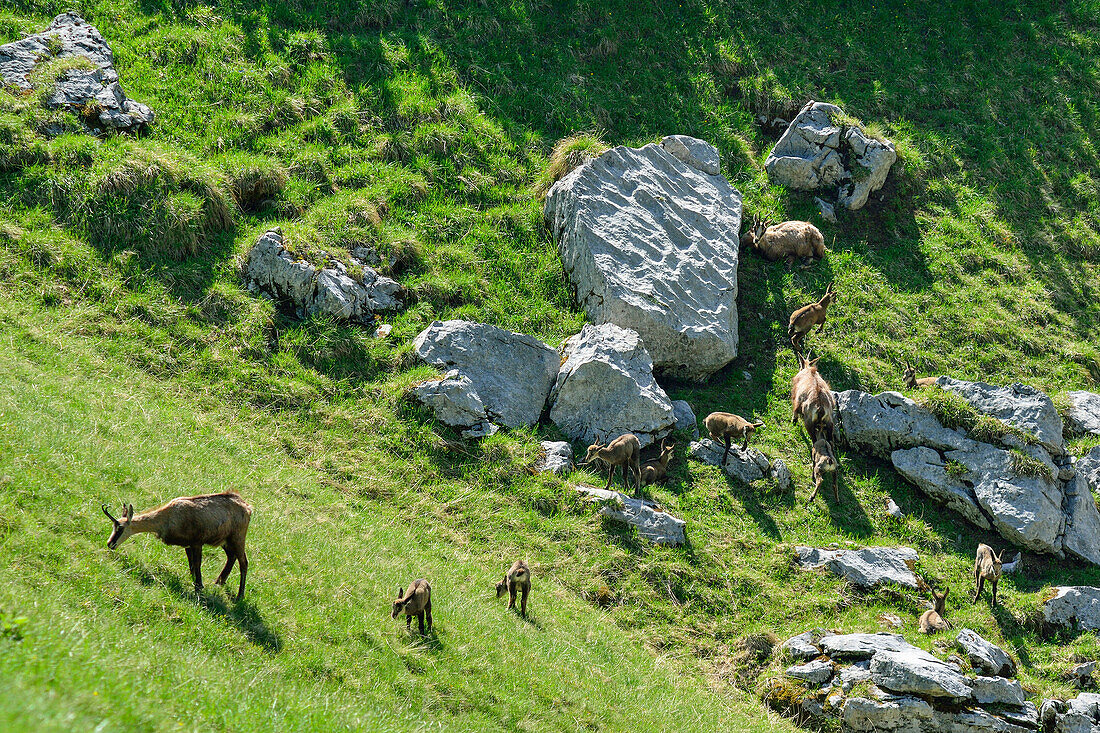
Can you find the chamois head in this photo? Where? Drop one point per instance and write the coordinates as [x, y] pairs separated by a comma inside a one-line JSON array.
[[909, 375], [830, 295], [939, 600], [805, 362], [593, 453], [400, 602], [122, 530], [502, 586], [998, 558], [753, 233]]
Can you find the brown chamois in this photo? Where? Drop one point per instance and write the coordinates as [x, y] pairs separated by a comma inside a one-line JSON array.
[[516, 580], [805, 318], [825, 468], [932, 620], [657, 469], [417, 602], [791, 240], [813, 401], [625, 451], [725, 427], [987, 566], [220, 520], [911, 380]]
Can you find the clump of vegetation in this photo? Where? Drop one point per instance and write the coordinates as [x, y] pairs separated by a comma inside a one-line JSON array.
[[956, 413], [568, 154], [956, 470], [12, 627], [1025, 465], [253, 180]]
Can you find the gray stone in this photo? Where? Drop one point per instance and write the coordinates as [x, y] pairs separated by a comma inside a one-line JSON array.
[[1021, 406], [865, 568], [605, 388], [1077, 715], [1082, 531], [698, 154], [1083, 415], [69, 36], [273, 270], [997, 691], [883, 423], [456, 403], [745, 466], [853, 675], [1025, 716], [1088, 467], [685, 418], [811, 154], [1074, 606], [1082, 673], [984, 656], [926, 469], [656, 526], [556, 458], [828, 213], [815, 673], [513, 373], [801, 647], [650, 243], [915, 671], [782, 475], [862, 646]]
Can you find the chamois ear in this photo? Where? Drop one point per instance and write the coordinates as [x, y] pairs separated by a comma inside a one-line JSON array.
[[815, 361], [129, 512], [400, 592]]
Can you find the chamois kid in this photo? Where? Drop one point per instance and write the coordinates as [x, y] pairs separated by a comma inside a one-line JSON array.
[[813, 401], [220, 520], [825, 468], [657, 469], [805, 318], [516, 580], [725, 426], [911, 380], [932, 620], [625, 451], [417, 602], [987, 566], [790, 240]]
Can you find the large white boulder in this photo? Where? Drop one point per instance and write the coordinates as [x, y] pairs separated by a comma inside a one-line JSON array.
[[916, 672], [456, 403], [652, 524], [1083, 415], [1076, 607], [512, 373], [605, 388], [650, 243], [79, 89], [985, 656], [865, 568]]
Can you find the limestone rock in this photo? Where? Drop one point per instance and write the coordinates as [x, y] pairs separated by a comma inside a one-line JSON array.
[[1077, 607], [1019, 405], [984, 656], [273, 270], [883, 423], [456, 403], [811, 154], [685, 418], [513, 373], [801, 647], [745, 466], [782, 475], [653, 525], [861, 646], [79, 89], [997, 691], [1083, 415], [605, 388], [1082, 532], [650, 243], [556, 458], [1078, 715], [815, 673], [915, 671], [865, 568], [1089, 468]]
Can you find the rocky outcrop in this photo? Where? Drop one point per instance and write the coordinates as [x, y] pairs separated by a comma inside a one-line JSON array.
[[746, 466], [818, 151], [511, 373], [556, 457], [1075, 607], [984, 656], [1088, 468], [685, 418], [1077, 715], [864, 568], [456, 403], [605, 388], [1024, 494], [652, 524], [273, 270], [880, 682], [1082, 417], [91, 91], [649, 239]]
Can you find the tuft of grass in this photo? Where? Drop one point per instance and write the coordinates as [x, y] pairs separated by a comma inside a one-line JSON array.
[[1025, 465], [254, 181], [568, 154], [956, 413]]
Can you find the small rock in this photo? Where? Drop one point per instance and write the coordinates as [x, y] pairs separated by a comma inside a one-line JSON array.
[[865, 568], [685, 418], [455, 403], [816, 673], [997, 691], [745, 466], [383, 331], [746, 376], [801, 647], [1011, 567], [653, 525], [988, 658], [861, 646], [1075, 607], [893, 509], [828, 213], [1082, 674], [782, 475], [556, 458], [696, 153], [1083, 415]]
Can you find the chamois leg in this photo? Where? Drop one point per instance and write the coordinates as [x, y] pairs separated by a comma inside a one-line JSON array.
[[994, 582], [230, 558], [194, 560], [428, 609], [836, 485], [610, 477], [726, 440], [408, 622], [420, 622], [242, 565], [523, 602], [822, 328], [981, 582], [745, 445], [511, 596]]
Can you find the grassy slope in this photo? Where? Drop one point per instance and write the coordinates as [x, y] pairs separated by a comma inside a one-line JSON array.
[[422, 129]]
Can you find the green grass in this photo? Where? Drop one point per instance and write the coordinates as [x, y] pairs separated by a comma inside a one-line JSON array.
[[424, 130]]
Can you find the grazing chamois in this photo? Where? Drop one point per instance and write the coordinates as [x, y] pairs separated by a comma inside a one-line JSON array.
[[911, 380], [813, 401], [417, 602], [625, 451], [516, 580], [657, 469], [791, 240], [825, 468], [932, 620], [220, 520], [987, 566], [725, 426], [805, 318]]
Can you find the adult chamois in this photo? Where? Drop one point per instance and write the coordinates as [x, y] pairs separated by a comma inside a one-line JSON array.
[[791, 240], [987, 566], [516, 580], [812, 400], [805, 318], [725, 426], [417, 602], [625, 451], [219, 520]]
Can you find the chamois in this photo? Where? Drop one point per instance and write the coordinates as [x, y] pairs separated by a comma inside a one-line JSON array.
[[625, 451], [805, 318], [725, 426], [911, 380], [220, 520], [657, 469], [517, 579], [812, 400], [825, 468], [417, 602], [987, 566], [790, 240], [932, 620]]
